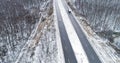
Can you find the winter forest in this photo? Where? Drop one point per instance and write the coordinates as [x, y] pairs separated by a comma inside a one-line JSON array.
[[29, 33], [17, 20], [104, 18]]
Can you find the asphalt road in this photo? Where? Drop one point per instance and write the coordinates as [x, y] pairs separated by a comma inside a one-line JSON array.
[[67, 49], [91, 54]]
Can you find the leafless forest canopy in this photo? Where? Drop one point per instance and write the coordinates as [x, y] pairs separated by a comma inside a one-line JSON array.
[[17, 20], [102, 15], [104, 18]]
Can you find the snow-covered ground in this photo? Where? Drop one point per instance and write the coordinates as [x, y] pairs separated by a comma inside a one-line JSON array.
[[105, 52], [46, 52], [42, 47], [22, 30]]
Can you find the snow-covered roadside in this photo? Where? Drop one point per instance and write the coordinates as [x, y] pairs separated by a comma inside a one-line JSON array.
[[28, 42], [46, 50], [42, 48], [58, 39], [74, 40], [106, 53]]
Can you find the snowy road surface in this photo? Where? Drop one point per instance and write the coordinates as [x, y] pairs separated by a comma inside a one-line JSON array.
[[92, 56], [74, 42], [71, 34], [67, 49]]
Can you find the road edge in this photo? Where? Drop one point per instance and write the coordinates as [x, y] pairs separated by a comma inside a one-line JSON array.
[[61, 58]]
